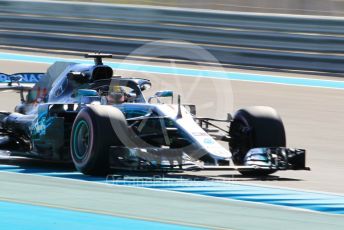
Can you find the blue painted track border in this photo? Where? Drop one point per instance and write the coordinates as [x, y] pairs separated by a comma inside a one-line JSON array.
[[258, 78], [313, 201], [292, 198], [19, 216]]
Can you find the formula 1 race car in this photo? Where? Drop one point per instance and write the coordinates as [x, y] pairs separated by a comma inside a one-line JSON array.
[[84, 114]]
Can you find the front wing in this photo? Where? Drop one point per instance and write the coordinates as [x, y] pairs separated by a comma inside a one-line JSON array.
[[278, 158]]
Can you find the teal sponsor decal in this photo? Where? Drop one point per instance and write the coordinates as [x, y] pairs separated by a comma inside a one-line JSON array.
[[208, 141]]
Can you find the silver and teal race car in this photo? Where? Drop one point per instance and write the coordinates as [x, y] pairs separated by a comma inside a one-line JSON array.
[[84, 114]]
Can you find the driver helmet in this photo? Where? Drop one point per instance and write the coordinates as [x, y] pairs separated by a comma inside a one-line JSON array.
[[116, 95]]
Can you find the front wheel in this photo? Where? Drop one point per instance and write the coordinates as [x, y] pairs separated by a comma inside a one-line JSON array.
[[253, 127], [91, 137]]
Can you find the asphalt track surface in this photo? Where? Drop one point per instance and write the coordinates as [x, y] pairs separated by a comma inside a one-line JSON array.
[[313, 121]]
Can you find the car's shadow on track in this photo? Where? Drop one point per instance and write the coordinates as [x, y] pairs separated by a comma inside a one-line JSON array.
[[26, 165], [67, 170], [201, 176]]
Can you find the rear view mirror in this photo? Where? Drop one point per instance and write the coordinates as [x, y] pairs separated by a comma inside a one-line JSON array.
[[145, 86], [163, 93]]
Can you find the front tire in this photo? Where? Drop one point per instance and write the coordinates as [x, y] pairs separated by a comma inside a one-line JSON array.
[[253, 127], [91, 137]]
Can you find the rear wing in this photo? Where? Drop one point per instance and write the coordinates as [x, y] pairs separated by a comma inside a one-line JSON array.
[[13, 82], [21, 77]]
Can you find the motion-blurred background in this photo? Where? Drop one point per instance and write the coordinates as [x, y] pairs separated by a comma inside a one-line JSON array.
[[309, 7]]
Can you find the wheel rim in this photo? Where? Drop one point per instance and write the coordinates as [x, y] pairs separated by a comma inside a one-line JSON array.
[[81, 140]]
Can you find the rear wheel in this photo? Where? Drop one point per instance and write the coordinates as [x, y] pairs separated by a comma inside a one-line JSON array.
[[253, 127], [91, 137]]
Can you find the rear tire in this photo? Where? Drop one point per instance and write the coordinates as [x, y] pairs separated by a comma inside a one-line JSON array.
[[91, 137], [253, 127]]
